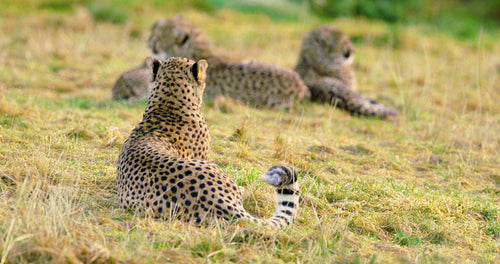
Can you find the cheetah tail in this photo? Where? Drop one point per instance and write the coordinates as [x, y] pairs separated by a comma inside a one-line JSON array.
[[287, 195]]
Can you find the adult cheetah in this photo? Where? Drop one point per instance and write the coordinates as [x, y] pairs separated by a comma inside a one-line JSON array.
[[323, 70], [132, 84], [324, 65], [163, 169], [256, 84]]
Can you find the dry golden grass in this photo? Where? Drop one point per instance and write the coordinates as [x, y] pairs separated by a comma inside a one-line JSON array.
[[422, 188]]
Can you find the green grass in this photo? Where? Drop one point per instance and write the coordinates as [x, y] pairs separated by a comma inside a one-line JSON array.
[[103, 13], [278, 10], [422, 188]]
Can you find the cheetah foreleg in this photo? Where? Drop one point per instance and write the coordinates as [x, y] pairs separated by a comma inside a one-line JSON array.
[[333, 91]]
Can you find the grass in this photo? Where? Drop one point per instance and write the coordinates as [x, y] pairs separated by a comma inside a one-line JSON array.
[[421, 188]]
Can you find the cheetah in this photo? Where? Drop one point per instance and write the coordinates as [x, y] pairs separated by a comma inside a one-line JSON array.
[[163, 166], [324, 73], [255, 84], [132, 85], [324, 65]]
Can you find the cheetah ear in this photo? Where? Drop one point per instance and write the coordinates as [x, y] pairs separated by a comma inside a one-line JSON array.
[[199, 70], [154, 64], [181, 37]]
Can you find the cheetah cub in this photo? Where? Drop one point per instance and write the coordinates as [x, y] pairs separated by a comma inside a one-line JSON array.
[[324, 65], [256, 84], [132, 84], [163, 169]]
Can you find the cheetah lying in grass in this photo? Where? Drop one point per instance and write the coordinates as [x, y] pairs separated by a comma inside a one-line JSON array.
[[256, 84], [324, 65], [163, 169], [132, 84]]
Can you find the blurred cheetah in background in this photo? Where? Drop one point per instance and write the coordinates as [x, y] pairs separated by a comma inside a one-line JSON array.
[[132, 84], [324, 65], [256, 84]]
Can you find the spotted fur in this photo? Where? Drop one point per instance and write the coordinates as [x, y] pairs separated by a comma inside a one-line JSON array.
[[163, 166], [256, 84], [324, 65]]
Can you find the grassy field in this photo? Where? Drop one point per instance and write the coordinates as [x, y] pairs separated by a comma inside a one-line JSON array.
[[423, 188]]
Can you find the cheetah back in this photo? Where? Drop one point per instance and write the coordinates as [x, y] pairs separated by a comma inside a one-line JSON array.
[[162, 167], [256, 84]]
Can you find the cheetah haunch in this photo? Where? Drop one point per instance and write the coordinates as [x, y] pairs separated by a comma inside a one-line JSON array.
[[163, 169]]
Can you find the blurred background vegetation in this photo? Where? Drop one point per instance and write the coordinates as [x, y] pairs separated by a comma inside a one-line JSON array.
[[461, 18]]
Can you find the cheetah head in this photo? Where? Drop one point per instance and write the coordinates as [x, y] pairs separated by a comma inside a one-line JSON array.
[[177, 37], [177, 82], [327, 49]]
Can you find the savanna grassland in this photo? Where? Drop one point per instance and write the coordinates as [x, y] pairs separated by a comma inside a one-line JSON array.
[[424, 187]]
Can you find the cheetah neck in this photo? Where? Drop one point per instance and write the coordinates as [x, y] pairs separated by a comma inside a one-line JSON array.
[[302, 66], [205, 54], [165, 122], [204, 51], [159, 106], [306, 71], [309, 72], [175, 113], [160, 110]]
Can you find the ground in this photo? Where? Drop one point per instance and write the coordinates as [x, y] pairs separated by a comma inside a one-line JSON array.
[[420, 188]]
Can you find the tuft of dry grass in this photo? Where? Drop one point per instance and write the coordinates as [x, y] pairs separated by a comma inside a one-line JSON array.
[[420, 188]]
